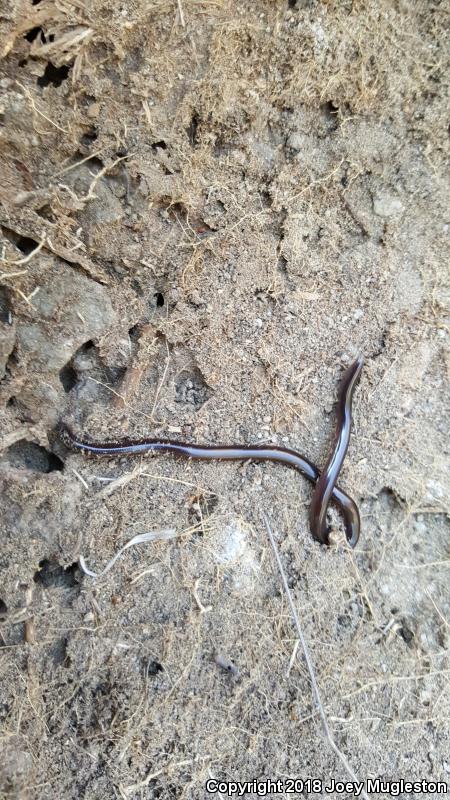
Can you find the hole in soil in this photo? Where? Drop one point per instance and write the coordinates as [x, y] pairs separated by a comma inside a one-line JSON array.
[[95, 164], [5, 312], [159, 145], [68, 378], [11, 363], [34, 33], [330, 108], [46, 212], [154, 667], [159, 299], [50, 573], [134, 332], [89, 137], [178, 209], [388, 500], [53, 75], [56, 464], [192, 131], [406, 633], [282, 264], [292, 3], [266, 199], [3, 608], [25, 244], [68, 375], [331, 112], [28, 455]]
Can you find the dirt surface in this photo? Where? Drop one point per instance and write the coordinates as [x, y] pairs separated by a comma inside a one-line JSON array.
[[207, 210]]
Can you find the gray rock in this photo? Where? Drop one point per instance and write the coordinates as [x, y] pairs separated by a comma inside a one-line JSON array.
[[71, 309], [387, 205]]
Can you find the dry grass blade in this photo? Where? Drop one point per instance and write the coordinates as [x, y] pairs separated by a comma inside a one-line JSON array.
[[77, 163], [37, 111], [309, 664], [181, 13], [151, 536], [99, 175]]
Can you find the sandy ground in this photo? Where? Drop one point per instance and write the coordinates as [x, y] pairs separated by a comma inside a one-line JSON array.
[[207, 210]]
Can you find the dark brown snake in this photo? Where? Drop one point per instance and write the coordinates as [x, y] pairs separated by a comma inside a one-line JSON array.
[[325, 482]]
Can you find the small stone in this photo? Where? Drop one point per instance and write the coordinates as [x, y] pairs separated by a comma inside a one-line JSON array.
[[386, 205], [434, 492], [420, 526], [93, 111], [83, 310]]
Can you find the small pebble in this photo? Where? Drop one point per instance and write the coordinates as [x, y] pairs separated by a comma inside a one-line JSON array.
[[386, 205]]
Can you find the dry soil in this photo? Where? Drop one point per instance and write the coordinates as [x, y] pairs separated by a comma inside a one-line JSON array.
[[207, 209]]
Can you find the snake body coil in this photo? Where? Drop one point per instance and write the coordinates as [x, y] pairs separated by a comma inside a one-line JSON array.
[[325, 489]]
